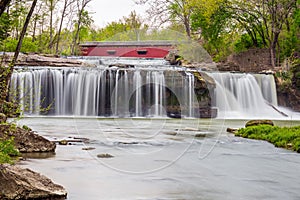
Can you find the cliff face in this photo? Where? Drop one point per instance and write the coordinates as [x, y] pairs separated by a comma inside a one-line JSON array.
[[257, 61], [289, 93]]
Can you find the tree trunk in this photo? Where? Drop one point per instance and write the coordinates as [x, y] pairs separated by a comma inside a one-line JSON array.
[[3, 5], [77, 32], [14, 60], [76, 36], [34, 29], [51, 25], [6, 72], [187, 26], [273, 48], [273, 56], [60, 26]]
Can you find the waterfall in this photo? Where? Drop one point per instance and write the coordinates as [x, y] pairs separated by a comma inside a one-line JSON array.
[[241, 95], [116, 92]]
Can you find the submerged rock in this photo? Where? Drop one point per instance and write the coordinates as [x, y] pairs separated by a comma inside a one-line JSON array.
[[88, 148], [26, 141], [18, 183], [259, 122], [104, 155], [63, 142]]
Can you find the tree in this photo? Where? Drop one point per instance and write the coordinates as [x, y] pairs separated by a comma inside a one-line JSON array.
[[6, 72], [51, 6], [211, 26], [266, 18], [81, 5], [170, 11], [3, 6], [65, 13]]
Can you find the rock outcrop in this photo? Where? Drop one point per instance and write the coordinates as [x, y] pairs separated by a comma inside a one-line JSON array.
[[43, 60], [288, 93], [18, 183], [252, 60], [25, 140], [259, 122]]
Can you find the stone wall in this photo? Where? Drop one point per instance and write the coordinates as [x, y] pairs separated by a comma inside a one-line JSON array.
[[252, 60]]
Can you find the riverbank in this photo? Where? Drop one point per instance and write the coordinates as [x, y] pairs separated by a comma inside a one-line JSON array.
[[284, 137], [19, 183]]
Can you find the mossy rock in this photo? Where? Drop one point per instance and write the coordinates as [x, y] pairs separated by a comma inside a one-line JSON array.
[[259, 122]]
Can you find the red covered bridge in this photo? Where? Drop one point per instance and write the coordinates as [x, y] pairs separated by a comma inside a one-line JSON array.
[[137, 49]]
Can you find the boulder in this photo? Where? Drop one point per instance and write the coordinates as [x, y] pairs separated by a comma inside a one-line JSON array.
[[259, 122], [26, 141], [231, 130], [18, 183]]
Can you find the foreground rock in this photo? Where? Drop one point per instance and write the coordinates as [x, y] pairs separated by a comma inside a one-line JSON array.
[[25, 140], [259, 122], [18, 183]]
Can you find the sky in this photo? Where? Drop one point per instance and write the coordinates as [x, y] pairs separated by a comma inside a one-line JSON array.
[[106, 11]]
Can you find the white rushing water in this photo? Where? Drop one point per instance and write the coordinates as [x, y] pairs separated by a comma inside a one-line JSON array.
[[140, 90], [103, 92], [244, 95]]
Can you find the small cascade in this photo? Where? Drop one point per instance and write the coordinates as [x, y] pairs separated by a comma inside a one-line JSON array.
[[240, 95], [104, 91]]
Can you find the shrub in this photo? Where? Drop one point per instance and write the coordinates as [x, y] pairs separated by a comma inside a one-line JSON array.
[[7, 151], [285, 137]]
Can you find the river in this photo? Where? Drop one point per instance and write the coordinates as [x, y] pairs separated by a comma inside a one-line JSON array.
[[164, 159]]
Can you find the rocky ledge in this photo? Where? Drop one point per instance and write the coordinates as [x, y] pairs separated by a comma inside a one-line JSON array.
[[18, 183], [26, 141], [43, 60]]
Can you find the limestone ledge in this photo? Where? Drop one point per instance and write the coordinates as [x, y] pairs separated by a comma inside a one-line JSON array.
[[44, 60]]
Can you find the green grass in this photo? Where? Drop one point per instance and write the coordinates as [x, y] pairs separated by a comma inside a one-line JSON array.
[[8, 151], [284, 137]]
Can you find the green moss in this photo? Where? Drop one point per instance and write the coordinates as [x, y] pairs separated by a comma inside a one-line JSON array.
[[8, 151], [284, 137]]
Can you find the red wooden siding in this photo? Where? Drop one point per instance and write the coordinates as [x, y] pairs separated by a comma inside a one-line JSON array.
[[155, 49]]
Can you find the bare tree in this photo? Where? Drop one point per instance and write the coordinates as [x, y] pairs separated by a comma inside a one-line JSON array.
[[67, 3], [166, 11], [51, 8], [265, 17], [81, 5]]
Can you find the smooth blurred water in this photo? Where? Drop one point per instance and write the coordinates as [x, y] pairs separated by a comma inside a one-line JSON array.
[[162, 159]]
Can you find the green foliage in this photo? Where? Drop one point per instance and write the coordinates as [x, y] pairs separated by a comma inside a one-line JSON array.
[[10, 44], [245, 42], [5, 26], [7, 151], [26, 128], [285, 137], [213, 27], [290, 39]]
